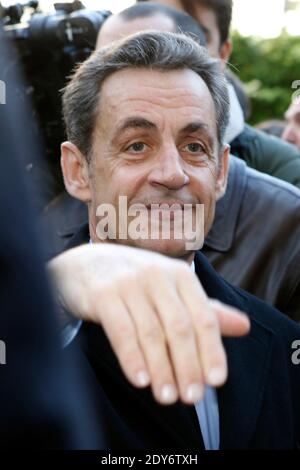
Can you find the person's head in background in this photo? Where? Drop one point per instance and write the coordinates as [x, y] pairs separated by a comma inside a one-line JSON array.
[[214, 16], [292, 117], [145, 16], [272, 127]]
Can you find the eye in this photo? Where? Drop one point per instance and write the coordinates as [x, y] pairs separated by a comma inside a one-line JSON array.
[[137, 147], [194, 147]]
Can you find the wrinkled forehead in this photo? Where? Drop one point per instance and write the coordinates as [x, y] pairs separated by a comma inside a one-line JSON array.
[[169, 100], [184, 86]]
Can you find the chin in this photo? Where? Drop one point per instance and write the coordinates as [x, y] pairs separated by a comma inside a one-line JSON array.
[[171, 248]]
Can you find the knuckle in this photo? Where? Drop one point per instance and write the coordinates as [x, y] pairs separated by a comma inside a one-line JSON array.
[[209, 322], [218, 360], [124, 331], [182, 326], [102, 292], [150, 274], [129, 283], [130, 358], [153, 334], [154, 272]]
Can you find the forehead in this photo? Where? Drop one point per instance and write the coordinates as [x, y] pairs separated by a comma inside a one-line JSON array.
[[172, 3], [294, 110], [179, 95], [115, 27]]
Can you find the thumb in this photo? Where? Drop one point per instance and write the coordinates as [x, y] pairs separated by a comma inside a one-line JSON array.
[[232, 321]]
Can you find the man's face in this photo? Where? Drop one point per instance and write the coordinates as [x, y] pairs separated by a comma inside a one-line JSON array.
[[207, 19], [156, 142], [292, 131]]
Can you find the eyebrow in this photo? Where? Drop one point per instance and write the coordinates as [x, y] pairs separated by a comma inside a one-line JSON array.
[[135, 123], [197, 126], [142, 123], [194, 127]]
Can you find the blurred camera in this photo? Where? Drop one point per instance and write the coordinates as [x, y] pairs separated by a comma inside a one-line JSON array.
[[49, 46]]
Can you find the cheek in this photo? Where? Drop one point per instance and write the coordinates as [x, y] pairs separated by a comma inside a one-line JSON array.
[[207, 196], [204, 188], [123, 180], [204, 180]]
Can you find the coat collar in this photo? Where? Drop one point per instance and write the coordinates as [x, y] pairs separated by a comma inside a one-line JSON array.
[[222, 233], [81, 236]]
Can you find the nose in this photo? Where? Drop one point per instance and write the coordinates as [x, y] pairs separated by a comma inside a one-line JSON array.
[[289, 134], [168, 170]]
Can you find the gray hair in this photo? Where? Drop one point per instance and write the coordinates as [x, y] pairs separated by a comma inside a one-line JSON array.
[[154, 50]]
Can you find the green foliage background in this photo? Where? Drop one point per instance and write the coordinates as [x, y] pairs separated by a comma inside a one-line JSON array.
[[267, 67]]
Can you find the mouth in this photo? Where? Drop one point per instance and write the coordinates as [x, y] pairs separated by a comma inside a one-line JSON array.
[[168, 205], [170, 210]]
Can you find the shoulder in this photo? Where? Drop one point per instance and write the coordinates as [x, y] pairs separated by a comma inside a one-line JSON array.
[[268, 185], [261, 314], [266, 143], [265, 315], [269, 154]]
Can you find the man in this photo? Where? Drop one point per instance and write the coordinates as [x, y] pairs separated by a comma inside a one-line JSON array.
[[214, 16], [291, 132], [240, 215], [44, 402], [146, 119], [150, 16], [261, 152]]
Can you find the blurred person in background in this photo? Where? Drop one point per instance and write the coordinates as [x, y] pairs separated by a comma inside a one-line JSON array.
[[262, 152], [291, 132], [273, 127]]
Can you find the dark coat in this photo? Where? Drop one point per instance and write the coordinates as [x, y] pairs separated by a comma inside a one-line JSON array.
[[268, 154], [254, 242], [259, 405]]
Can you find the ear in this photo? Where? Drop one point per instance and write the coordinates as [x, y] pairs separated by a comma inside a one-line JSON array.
[[221, 182], [75, 171], [225, 53]]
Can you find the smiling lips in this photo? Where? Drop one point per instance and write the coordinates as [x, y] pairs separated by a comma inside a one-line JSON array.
[[168, 209]]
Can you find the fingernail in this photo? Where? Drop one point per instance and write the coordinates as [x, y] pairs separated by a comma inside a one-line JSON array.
[[194, 393], [143, 379], [216, 376], [168, 394]]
